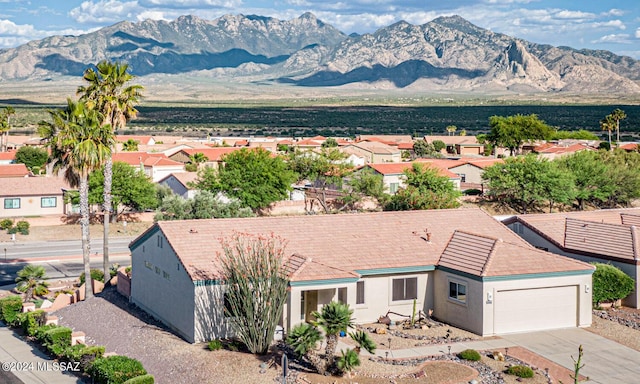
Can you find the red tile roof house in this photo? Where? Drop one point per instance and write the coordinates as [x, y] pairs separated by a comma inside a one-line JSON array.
[[155, 165], [14, 170], [393, 176], [604, 236], [32, 196], [472, 270], [460, 145]]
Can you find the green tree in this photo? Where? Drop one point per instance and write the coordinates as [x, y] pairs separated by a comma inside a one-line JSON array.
[[591, 177], [608, 124], [581, 134], [330, 143], [195, 160], [617, 115], [204, 205], [253, 176], [623, 176], [512, 131], [334, 318], [33, 158], [451, 129], [131, 189], [365, 182], [256, 287], [5, 127], [610, 284], [421, 148], [438, 145], [130, 145], [31, 281], [425, 189], [108, 91], [79, 144]]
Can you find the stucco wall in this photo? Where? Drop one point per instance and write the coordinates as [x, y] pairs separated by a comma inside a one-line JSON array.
[[472, 173], [31, 206], [160, 285], [463, 315], [538, 241], [176, 186], [210, 322]]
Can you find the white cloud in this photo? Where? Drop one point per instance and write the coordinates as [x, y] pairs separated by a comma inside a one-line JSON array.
[[638, 33], [104, 11], [565, 14], [191, 3], [10, 28], [621, 38], [614, 12]]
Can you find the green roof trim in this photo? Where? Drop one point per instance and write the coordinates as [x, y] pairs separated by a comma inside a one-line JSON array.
[[524, 276], [206, 283], [144, 237], [323, 282], [396, 270]]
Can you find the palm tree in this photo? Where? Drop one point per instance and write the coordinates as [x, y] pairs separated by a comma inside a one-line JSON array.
[[304, 339], [334, 318], [348, 361], [607, 124], [130, 145], [79, 144], [31, 282], [108, 92], [451, 129], [363, 341], [5, 126], [617, 115], [195, 160]]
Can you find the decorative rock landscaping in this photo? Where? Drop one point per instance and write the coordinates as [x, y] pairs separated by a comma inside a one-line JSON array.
[[624, 317]]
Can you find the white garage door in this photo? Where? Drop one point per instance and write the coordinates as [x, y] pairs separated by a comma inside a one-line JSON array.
[[536, 309]]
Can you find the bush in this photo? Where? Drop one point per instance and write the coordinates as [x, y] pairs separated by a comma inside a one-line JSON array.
[[96, 274], [469, 354], [30, 321], [144, 379], [57, 340], [115, 369], [83, 354], [23, 227], [610, 284], [42, 330], [6, 224], [472, 192], [520, 371], [10, 307], [215, 345]]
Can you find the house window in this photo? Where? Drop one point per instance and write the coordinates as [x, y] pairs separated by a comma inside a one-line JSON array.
[[393, 188], [160, 241], [165, 275], [302, 308], [463, 177], [48, 202], [157, 270], [342, 295], [360, 292], [458, 291], [147, 264], [12, 203], [405, 289]]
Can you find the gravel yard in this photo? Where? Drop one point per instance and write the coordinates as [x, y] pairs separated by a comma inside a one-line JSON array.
[[621, 325]]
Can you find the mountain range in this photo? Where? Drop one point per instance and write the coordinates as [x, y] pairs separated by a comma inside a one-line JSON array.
[[447, 53]]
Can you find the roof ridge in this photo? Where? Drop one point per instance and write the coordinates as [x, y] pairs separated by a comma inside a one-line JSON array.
[[475, 234], [489, 259]]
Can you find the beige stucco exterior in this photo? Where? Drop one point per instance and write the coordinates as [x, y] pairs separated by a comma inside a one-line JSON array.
[[31, 205], [472, 174]]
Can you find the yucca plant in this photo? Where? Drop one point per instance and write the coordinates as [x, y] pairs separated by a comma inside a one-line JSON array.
[[347, 361], [333, 318], [304, 338], [30, 281], [363, 341]]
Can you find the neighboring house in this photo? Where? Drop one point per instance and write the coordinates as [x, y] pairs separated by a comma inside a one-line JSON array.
[[213, 154], [629, 147], [605, 236], [32, 196], [459, 145], [393, 176], [141, 140], [7, 157], [471, 171], [375, 152], [554, 151], [179, 183], [474, 272], [155, 165], [14, 170]]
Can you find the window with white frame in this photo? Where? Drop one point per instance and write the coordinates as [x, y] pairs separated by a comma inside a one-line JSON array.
[[405, 289], [458, 291], [360, 292], [48, 202], [12, 203], [393, 188]]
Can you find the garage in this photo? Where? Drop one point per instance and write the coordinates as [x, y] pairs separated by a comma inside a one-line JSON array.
[[535, 309]]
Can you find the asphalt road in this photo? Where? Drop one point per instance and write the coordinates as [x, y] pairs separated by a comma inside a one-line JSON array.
[[61, 259]]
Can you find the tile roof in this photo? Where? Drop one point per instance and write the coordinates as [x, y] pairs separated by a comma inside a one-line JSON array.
[[336, 246], [563, 149], [183, 177], [629, 147], [134, 158], [489, 256], [213, 154], [387, 138], [399, 168], [32, 186], [453, 140], [9, 155], [575, 231], [13, 170], [145, 140], [376, 147], [157, 161]]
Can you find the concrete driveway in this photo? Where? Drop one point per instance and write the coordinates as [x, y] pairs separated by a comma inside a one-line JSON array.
[[605, 361]]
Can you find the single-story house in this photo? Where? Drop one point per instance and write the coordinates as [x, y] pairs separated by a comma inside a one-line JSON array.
[[553, 151], [458, 145], [604, 236], [32, 196], [393, 176], [14, 170], [214, 155], [140, 139], [374, 152], [179, 183], [155, 165], [468, 267]]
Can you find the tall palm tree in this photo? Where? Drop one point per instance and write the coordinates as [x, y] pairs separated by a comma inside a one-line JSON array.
[[617, 115], [108, 92], [30, 280], [333, 318], [608, 124], [5, 126], [79, 145], [130, 146]]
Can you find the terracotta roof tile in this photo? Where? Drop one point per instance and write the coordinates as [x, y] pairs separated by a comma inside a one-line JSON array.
[[32, 186], [338, 244], [399, 168], [13, 170], [8, 156], [213, 154], [134, 158]]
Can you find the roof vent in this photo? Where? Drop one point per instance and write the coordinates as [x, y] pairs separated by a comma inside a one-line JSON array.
[[193, 230]]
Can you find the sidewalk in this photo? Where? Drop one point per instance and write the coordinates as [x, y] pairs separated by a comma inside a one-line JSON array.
[[30, 365]]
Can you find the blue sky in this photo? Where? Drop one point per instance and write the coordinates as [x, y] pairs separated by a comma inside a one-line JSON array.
[[612, 25]]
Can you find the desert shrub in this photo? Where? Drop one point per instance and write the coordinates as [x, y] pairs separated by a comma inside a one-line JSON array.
[[610, 284], [30, 321], [6, 224], [115, 369], [57, 340], [10, 307], [520, 371], [23, 227], [83, 354], [469, 354], [144, 379], [42, 330], [127, 270], [12, 230], [215, 345], [96, 274]]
